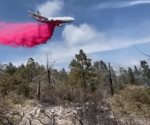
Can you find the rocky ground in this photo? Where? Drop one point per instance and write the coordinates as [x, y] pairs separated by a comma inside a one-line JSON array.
[[33, 113]]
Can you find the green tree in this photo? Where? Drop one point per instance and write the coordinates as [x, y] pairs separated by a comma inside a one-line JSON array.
[[81, 69], [30, 68], [101, 71], [131, 77], [122, 77], [10, 69], [22, 72], [33, 69], [145, 70], [63, 76]]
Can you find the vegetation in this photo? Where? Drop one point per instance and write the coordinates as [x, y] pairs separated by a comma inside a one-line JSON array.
[[133, 100], [86, 81]]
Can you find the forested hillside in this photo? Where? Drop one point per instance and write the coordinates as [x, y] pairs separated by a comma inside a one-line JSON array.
[[125, 90]]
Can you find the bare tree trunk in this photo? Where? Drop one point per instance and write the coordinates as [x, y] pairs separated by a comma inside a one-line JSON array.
[[39, 91], [84, 80], [84, 86], [48, 69], [110, 80], [49, 75]]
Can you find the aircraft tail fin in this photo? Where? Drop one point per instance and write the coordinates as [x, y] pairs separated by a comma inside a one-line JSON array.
[[31, 12], [38, 12]]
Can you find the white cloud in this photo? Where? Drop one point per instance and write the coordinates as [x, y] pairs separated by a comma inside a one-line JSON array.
[[79, 34], [51, 8], [87, 38], [122, 4]]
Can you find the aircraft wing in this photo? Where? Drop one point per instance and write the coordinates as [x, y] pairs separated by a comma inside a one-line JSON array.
[[38, 16]]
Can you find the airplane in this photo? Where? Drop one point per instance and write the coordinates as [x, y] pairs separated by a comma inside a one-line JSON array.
[[57, 20]]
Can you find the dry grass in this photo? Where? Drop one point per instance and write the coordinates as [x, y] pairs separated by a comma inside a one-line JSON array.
[[133, 100]]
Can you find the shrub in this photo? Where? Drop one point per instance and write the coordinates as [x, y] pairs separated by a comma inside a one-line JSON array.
[[133, 99]]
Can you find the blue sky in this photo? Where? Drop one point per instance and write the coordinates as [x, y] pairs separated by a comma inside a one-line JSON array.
[[106, 30]]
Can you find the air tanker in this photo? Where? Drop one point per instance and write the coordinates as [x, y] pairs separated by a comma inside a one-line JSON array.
[[30, 34], [58, 21]]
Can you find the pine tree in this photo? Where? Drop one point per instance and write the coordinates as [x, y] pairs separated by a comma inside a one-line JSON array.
[[10, 69], [30, 68], [81, 68], [131, 77], [145, 72]]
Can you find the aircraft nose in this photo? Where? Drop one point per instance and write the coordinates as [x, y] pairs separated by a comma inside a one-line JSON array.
[[72, 19]]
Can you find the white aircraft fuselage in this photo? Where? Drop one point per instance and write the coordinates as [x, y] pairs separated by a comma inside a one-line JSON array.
[[57, 20], [63, 19]]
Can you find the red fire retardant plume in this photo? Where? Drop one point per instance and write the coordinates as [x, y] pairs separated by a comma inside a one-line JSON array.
[[25, 34]]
